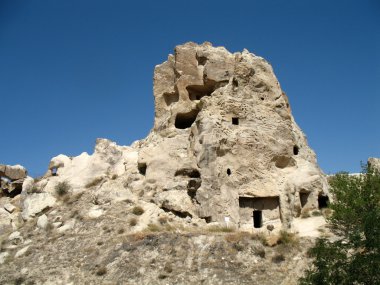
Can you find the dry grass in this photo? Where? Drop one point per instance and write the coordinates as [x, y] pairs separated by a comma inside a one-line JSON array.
[[94, 182], [62, 188], [327, 212], [305, 214], [316, 213], [220, 229], [287, 238], [260, 236]]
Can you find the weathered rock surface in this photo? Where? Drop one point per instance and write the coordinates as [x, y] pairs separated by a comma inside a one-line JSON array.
[[35, 203], [11, 179], [223, 119], [374, 162], [224, 147], [224, 152]]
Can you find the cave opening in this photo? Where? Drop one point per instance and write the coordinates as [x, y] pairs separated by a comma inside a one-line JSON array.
[[142, 168], [323, 201], [235, 121], [303, 198], [171, 98], [185, 120], [257, 219], [296, 150]]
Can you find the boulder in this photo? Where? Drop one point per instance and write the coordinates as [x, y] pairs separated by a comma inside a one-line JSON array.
[[42, 222], [36, 203], [9, 207], [16, 238], [21, 252], [5, 221], [14, 172]]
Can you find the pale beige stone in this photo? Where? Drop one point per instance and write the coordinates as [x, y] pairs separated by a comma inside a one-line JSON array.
[[224, 144], [36, 203]]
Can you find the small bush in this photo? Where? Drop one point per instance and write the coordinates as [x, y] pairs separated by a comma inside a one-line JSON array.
[[260, 236], [287, 238], [305, 214], [120, 231], [168, 268], [34, 189], [62, 188], [316, 213], [153, 228], [327, 212], [133, 222], [238, 246], [278, 258], [259, 251], [138, 211], [102, 270]]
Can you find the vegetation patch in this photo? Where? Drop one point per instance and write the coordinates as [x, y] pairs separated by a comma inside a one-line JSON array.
[[94, 182], [220, 229], [62, 188], [288, 238], [138, 211]]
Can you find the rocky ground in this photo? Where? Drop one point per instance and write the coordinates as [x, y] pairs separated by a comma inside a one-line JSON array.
[[73, 247]]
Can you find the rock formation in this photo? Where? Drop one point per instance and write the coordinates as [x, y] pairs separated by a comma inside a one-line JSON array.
[[224, 149], [12, 178], [225, 153], [224, 144]]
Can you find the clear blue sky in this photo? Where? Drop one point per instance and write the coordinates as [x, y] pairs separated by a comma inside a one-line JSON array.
[[75, 70]]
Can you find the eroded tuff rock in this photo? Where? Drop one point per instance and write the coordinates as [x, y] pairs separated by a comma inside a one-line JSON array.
[[224, 138], [224, 148], [12, 178], [224, 151]]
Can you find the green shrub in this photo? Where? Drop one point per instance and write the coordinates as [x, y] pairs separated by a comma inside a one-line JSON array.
[[138, 211], [62, 188], [353, 256]]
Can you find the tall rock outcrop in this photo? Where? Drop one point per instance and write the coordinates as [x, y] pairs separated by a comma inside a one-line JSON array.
[[224, 148]]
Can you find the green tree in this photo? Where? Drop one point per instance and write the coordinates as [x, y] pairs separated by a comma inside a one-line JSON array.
[[354, 256]]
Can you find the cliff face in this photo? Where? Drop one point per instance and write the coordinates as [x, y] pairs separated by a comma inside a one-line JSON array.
[[225, 142]]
